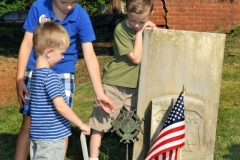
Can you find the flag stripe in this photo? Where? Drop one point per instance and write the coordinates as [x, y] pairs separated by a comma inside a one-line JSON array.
[[177, 130], [168, 138], [164, 149]]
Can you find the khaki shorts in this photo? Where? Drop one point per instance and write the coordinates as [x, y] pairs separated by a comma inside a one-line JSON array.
[[120, 96]]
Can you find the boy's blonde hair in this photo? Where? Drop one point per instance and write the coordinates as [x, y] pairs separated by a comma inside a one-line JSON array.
[[138, 6], [49, 35]]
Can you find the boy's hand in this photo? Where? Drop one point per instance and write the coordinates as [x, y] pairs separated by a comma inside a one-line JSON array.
[[21, 90], [106, 104], [148, 24], [85, 128]]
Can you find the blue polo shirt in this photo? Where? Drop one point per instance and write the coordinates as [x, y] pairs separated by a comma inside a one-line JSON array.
[[77, 23]]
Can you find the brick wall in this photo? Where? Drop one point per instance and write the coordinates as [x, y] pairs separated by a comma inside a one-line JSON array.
[[197, 15]]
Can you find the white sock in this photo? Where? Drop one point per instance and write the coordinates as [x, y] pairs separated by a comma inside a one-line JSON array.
[[93, 158]]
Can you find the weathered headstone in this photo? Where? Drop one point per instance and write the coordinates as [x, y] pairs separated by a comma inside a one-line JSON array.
[[172, 58]]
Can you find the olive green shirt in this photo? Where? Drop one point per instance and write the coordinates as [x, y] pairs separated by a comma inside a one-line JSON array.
[[121, 71]]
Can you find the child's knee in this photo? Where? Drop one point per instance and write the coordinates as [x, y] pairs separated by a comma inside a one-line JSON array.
[[95, 132]]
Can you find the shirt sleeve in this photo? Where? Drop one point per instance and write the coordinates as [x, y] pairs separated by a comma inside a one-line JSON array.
[[32, 20], [53, 86], [85, 29], [123, 43]]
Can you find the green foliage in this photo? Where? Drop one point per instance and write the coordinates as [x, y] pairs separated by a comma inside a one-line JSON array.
[[235, 32], [92, 5], [11, 5]]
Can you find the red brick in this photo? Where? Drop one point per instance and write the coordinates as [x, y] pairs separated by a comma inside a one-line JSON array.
[[219, 10], [183, 18], [170, 5], [192, 28], [195, 10], [216, 14], [213, 15], [169, 18], [236, 6], [179, 27], [200, 14], [156, 5], [175, 1], [236, 15], [158, 14], [174, 14], [173, 23], [227, 6], [201, 6], [195, 19], [207, 10], [187, 23], [188, 14], [203, 1], [187, 5], [160, 10], [235, 11], [199, 23], [206, 19], [214, 6]]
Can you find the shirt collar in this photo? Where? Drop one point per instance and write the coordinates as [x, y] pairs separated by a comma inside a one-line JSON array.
[[70, 17]]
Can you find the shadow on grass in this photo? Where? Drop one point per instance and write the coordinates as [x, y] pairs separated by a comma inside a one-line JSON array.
[[234, 152], [11, 36], [8, 143], [111, 147]]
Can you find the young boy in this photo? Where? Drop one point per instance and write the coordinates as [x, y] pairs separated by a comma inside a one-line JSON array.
[[76, 21], [120, 77], [48, 102]]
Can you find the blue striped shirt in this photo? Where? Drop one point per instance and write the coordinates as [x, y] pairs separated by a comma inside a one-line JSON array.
[[46, 122]]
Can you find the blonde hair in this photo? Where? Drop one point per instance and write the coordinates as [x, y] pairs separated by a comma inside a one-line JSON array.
[[49, 35], [138, 6]]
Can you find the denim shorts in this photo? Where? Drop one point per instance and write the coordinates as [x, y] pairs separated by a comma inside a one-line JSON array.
[[47, 149], [67, 81]]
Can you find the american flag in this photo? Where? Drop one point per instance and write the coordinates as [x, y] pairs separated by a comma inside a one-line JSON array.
[[171, 136]]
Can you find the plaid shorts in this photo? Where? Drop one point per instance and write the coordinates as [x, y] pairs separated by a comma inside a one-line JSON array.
[[67, 81]]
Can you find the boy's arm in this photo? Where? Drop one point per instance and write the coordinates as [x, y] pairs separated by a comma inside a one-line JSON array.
[[23, 56], [136, 55], [94, 73], [67, 113]]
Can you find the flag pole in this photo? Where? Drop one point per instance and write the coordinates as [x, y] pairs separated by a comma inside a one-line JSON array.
[[180, 149], [184, 88]]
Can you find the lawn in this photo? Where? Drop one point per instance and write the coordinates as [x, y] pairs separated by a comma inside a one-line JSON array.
[[227, 146]]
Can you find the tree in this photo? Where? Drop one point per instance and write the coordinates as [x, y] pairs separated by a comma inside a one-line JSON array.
[[11, 5], [115, 6]]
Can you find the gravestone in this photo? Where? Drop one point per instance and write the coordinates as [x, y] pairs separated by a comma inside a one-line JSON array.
[[171, 59]]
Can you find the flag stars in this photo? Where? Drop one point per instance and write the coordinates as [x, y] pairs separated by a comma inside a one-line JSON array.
[[177, 112]]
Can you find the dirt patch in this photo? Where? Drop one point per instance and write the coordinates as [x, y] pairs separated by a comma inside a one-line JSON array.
[[8, 70], [7, 79]]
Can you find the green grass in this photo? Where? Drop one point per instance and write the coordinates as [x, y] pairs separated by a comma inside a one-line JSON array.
[[227, 146]]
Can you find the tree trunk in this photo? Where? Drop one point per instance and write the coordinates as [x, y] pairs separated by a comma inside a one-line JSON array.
[[115, 6]]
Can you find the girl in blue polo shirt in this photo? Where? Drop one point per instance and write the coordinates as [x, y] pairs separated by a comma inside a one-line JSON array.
[[76, 21]]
